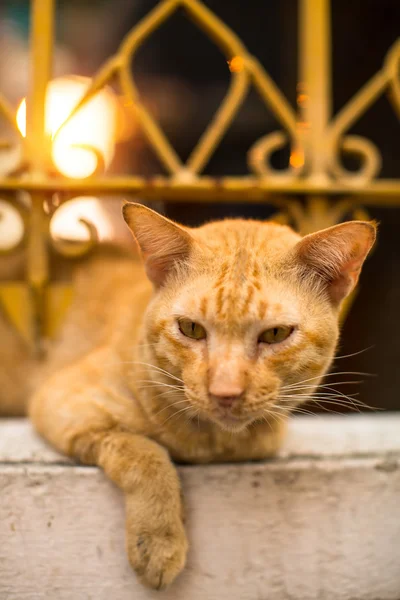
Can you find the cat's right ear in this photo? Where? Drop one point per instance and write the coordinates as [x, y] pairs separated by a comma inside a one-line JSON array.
[[162, 242], [336, 255]]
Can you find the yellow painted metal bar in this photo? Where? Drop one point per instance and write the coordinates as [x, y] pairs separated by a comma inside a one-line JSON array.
[[165, 152], [42, 23], [369, 93], [392, 68], [315, 81], [38, 145], [149, 23], [7, 110], [272, 96], [37, 268], [224, 116], [379, 191], [358, 104]]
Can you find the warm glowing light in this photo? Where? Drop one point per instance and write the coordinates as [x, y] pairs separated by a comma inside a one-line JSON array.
[[297, 159], [236, 64], [66, 223], [11, 226], [94, 126]]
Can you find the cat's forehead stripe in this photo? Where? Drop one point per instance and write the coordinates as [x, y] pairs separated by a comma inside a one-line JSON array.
[[256, 270], [204, 306], [247, 300], [262, 309], [219, 301], [222, 275]]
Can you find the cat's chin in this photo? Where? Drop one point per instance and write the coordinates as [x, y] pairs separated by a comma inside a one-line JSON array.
[[231, 424]]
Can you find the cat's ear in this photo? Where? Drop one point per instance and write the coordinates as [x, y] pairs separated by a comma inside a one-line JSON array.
[[336, 255], [162, 242]]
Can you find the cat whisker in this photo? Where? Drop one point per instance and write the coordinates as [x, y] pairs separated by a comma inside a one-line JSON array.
[[160, 384], [329, 375], [340, 357], [294, 409], [340, 400], [328, 409], [330, 399], [192, 417], [323, 389], [303, 411], [155, 367], [153, 390], [277, 417], [169, 393], [176, 414], [169, 406], [264, 418], [322, 385], [195, 414], [318, 401], [322, 393], [339, 394]]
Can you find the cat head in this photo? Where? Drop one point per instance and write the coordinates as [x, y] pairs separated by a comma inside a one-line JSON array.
[[245, 313]]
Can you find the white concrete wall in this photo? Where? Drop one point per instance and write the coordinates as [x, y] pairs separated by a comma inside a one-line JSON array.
[[320, 522]]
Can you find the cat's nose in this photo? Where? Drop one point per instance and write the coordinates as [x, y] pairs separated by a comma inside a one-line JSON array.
[[225, 394], [226, 389], [226, 382]]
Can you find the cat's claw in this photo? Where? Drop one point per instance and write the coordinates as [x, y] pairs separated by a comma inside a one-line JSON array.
[[158, 558]]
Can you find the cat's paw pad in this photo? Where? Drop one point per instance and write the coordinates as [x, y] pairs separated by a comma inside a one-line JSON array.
[[158, 558]]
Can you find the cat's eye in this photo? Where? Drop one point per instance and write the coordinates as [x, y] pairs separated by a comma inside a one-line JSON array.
[[191, 329], [275, 335]]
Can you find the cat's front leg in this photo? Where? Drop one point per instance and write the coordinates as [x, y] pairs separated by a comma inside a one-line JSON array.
[[80, 419], [156, 539]]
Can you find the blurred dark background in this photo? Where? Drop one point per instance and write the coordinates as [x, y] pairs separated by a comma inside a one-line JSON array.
[[183, 78]]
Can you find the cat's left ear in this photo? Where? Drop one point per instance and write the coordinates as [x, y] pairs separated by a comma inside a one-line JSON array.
[[162, 242], [336, 255]]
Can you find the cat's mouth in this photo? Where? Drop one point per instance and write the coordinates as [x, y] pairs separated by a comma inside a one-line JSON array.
[[229, 422], [233, 419]]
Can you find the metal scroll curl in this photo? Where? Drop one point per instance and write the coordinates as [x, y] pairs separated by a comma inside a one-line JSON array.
[[13, 224], [259, 156], [387, 79], [85, 236], [245, 71]]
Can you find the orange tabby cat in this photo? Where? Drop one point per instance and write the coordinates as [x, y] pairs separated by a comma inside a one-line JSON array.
[[236, 322]]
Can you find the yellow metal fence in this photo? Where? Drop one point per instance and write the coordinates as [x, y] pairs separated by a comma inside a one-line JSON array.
[[316, 138]]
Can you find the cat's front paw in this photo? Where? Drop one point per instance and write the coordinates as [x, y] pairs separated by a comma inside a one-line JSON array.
[[157, 556]]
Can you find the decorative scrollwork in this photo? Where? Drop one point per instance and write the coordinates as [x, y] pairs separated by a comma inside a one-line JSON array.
[[262, 150], [31, 166], [73, 231], [12, 225], [317, 213], [386, 79], [12, 150], [245, 70]]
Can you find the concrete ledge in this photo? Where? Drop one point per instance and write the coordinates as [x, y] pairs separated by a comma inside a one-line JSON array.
[[322, 521]]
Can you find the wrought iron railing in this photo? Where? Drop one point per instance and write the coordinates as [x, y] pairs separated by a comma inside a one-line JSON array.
[[316, 140]]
